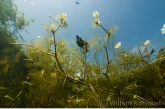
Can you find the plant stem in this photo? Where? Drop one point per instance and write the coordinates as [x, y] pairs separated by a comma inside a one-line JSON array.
[[153, 71], [55, 45]]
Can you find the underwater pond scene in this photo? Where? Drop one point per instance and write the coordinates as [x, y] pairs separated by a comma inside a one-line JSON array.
[[82, 53]]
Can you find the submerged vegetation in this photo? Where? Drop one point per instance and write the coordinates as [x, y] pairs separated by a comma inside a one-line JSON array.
[[96, 73], [12, 69]]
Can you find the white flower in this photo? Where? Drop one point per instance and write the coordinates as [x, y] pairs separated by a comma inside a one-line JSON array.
[[39, 36], [118, 45], [146, 43], [163, 29], [95, 14], [64, 15]]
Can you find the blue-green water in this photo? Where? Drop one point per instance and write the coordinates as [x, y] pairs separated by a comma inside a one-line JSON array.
[[89, 53], [137, 21]]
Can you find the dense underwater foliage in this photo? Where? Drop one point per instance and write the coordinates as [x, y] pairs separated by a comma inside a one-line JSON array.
[[99, 73]]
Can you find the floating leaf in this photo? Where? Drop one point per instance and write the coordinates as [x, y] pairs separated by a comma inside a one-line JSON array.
[[7, 96]]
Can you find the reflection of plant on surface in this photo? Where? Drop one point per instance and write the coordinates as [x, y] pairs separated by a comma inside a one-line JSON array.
[[61, 76]]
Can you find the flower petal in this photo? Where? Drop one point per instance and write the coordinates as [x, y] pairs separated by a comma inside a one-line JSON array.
[[95, 14], [146, 43], [118, 45]]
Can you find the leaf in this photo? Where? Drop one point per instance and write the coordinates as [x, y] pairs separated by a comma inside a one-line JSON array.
[[80, 42], [2, 88], [7, 96], [152, 51], [96, 96], [6, 68]]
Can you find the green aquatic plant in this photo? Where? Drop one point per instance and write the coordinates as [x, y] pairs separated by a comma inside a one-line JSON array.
[[11, 20], [12, 69], [7, 96], [61, 76], [2, 88]]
